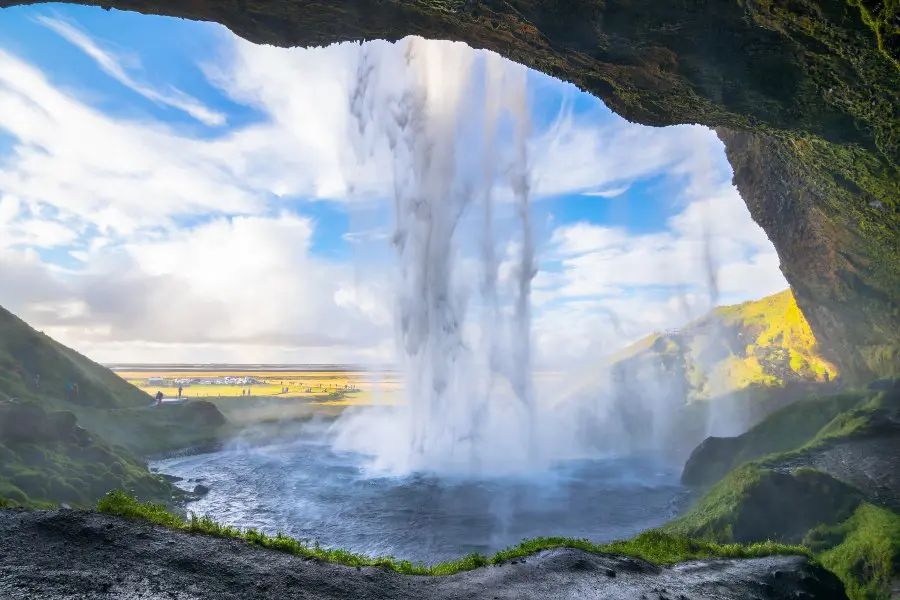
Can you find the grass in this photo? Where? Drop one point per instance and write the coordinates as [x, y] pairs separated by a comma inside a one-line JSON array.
[[37, 368], [864, 551], [854, 421], [756, 503], [777, 322], [856, 540], [654, 546], [45, 457], [55, 472], [801, 424]]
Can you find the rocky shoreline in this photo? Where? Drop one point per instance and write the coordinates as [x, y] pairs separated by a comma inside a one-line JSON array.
[[68, 554]]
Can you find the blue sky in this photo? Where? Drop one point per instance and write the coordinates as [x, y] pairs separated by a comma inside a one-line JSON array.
[[171, 192]]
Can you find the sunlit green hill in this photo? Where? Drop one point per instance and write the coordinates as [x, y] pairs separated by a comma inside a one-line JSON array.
[[764, 342]]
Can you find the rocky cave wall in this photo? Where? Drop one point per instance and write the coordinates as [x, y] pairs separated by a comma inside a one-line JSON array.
[[805, 95]]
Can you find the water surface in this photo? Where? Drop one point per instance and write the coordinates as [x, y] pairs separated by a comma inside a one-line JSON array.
[[301, 487]]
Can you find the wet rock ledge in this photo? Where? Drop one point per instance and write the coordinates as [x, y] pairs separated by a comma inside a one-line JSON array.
[[73, 554]]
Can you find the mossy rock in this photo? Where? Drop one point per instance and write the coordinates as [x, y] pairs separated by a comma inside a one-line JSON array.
[[784, 430], [755, 504]]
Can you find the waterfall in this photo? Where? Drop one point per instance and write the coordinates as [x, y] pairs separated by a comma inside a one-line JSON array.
[[456, 128]]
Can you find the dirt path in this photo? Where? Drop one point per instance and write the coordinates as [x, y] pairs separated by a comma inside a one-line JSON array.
[[71, 554]]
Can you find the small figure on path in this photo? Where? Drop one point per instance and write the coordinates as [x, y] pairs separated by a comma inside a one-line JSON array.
[[159, 398], [179, 391]]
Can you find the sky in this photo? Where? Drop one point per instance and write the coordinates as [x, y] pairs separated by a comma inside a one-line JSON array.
[[172, 193]]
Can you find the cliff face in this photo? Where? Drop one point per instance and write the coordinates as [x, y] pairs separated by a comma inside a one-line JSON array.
[[805, 95]]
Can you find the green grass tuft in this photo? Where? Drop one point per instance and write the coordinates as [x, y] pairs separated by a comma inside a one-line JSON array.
[[864, 551], [654, 546]]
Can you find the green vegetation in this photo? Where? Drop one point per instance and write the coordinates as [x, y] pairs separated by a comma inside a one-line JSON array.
[[35, 368], [57, 446], [856, 540], [766, 498], [46, 458], [791, 427], [52, 473], [855, 421], [756, 345], [883, 21], [654, 546], [776, 336], [755, 503], [149, 431], [864, 550]]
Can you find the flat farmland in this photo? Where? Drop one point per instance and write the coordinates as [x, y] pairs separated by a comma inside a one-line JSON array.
[[326, 387]]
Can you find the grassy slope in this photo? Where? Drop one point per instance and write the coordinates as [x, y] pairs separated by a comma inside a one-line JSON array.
[[762, 343], [775, 332], [79, 468], [45, 457], [863, 550], [654, 546], [784, 430], [25, 353], [853, 538], [106, 405]]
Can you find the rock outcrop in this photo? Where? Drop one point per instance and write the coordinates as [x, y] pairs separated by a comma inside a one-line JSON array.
[[68, 554], [805, 95]]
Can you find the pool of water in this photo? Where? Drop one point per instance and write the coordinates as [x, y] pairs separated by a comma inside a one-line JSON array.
[[298, 485]]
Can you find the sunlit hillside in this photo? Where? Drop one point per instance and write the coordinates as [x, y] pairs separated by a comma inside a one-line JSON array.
[[765, 342]]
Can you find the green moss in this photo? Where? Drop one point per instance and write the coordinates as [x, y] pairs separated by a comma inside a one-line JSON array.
[[755, 503], [46, 458], [654, 546], [761, 500], [794, 426], [853, 422], [859, 542], [863, 551], [884, 24]]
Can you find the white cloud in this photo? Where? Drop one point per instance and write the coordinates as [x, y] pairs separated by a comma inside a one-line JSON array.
[[115, 174], [185, 249], [610, 287], [245, 281], [112, 65]]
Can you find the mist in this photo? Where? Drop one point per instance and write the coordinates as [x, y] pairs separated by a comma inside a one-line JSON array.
[[457, 130]]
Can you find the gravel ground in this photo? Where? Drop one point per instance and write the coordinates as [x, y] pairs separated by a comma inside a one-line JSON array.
[[73, 554]]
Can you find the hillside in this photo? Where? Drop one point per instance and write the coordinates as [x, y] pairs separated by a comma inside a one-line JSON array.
[[35, 367], [62, 445], [763, 343], [824, 471], [716, 376]]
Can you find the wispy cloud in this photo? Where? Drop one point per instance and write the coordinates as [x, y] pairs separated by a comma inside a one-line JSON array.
[[112, 65], [608, 193]]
